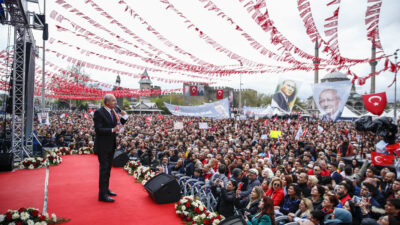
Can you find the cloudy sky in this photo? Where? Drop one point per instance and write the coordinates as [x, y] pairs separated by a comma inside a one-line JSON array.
[[352, 35]]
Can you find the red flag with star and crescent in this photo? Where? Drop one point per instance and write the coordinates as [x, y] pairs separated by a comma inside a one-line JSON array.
[[220, 93], [381, 159], [193, 90], [375, 103]]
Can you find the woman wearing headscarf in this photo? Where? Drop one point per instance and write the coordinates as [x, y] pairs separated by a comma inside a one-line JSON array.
[[340, 216]]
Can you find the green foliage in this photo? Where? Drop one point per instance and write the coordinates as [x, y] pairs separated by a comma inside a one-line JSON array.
[[62, 103], [126, 104], [253, 99], [174, 99], [298, 103]]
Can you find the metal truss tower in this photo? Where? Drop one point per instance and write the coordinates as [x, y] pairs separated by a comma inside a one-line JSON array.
[[15, 13]]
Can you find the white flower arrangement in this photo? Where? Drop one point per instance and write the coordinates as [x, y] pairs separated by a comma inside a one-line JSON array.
[[143, 174], [53, 158], [30, 216], [193, 211], [32, 163], [132, 166], [85, 151]]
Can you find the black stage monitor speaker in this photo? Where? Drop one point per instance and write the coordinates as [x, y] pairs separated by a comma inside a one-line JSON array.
[[6, 162], [120, 159], [235, 220], [163, 188]]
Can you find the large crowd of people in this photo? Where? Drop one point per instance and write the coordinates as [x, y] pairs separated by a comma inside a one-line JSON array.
[[322, 176]]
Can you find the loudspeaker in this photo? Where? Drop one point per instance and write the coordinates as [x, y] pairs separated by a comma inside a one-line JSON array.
[[234, 220], [120, 159], [163, 188], [6, 162]]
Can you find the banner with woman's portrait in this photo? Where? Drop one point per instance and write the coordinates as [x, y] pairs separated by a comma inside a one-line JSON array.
[[285, 94], [331, 97]]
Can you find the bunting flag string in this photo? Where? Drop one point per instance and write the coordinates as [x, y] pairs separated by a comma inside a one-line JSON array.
[[207, 72], [208, 40], [277, 38], [372, 22], [108, 69], [256, 45], [331, 28], [95, 24], [162, 63], [118, 61], [60, 85], [135, 15], [276, 69], [304, 9]]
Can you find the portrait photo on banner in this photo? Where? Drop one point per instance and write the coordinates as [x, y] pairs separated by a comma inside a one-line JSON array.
[[43, 118], [285, 94], [331, 97]]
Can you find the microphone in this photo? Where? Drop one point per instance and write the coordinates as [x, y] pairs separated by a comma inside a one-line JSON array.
[[117, 109]]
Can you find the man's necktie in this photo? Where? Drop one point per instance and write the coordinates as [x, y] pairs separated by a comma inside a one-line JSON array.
[[112, 116]]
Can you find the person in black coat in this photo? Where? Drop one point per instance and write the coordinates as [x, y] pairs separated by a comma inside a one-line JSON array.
[[189, 165], [227, 196], [107, 124]]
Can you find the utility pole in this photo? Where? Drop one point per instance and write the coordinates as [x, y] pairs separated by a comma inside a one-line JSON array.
[[373, 67], [240, 89]]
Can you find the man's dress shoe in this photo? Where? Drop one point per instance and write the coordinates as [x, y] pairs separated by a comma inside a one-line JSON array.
[[110, 193], [106, 199]]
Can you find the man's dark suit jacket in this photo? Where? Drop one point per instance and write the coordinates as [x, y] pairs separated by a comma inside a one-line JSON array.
[[105, 139], [281, 101], [104, 146]]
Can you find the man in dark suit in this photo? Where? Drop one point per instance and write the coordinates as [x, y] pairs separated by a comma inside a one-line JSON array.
[[107, 124], [282, 99]]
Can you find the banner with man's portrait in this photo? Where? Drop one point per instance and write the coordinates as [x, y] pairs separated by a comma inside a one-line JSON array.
[[43, 118], [285, 95], [331, 97]]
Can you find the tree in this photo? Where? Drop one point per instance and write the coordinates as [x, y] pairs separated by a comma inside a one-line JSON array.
[[253, 99], [126, 104], [175, 99]]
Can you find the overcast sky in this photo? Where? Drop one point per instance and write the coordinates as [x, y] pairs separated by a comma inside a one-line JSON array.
[[353, 41]]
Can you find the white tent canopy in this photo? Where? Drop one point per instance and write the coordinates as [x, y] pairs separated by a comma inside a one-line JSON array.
[[347, 113], [390, 113]]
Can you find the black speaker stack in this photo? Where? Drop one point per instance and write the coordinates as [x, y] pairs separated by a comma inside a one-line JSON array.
[[6, 162]]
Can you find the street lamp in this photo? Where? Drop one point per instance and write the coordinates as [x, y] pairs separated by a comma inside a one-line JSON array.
[[395, 86]]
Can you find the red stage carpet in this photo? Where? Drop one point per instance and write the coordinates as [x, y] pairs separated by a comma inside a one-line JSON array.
[[73, 189]]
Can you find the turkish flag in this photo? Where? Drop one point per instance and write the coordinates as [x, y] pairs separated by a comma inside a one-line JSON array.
[[381, 159], [220, 93], [395, 148], [375, 103], [193, 90]]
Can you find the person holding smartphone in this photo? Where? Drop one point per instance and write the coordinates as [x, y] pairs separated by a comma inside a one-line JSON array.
[[226, 196]]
